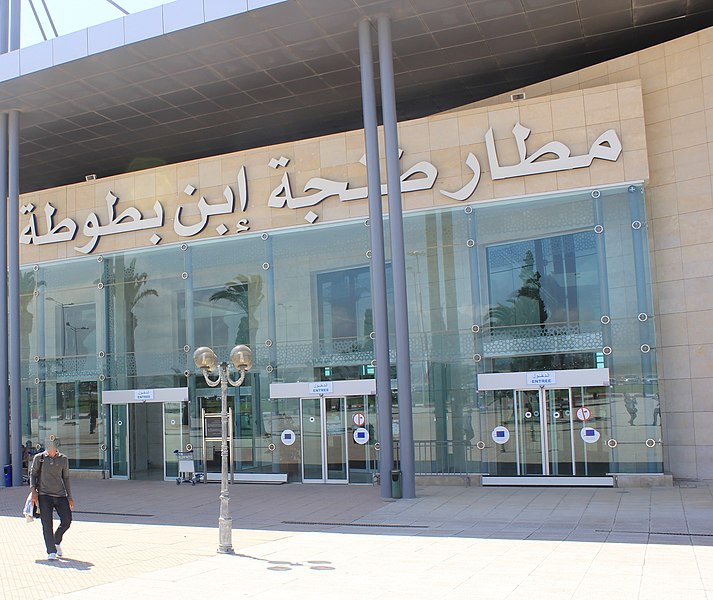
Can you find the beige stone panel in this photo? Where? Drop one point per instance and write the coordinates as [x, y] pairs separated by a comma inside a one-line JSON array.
[[650, 54], [686, 98], [702, 360], [705, 36], [636, 165], [694, 195], [187, 174], [575, 178], [443, 133], [210, 172], [29, 254], [657, 107], [633, 133], [692, 162], [678, 396], [338, 173], [684, 66], [709, 123], [537, 116], [659, 138], [625, 75], [661, 201], [594, 72], [256, 164], [631, 102], [144, 185], [668, 265], [594, 83], [706, 51], [414, 136], [666, 232], [698, 293], [687, 42], [450, 162], [700, 326], [603, 171], [702, 400], [484, 191], [564, 82], [84, 198], [472, 126], [424, 199], [622, 63], [71, 202], [356, 175], [670, 296], [688, 130], [681, 459], [661, 169], [330, 210], [540, 89], [166, 180], [568, 112], [675, 362], [307, 156], [601, 107], [509, 188], [358, 209], [537, 184], [697, 261], [679, 428], [502, 121], [653, 76], [285, 217], [332, 151], [704, 460], [672, 329]]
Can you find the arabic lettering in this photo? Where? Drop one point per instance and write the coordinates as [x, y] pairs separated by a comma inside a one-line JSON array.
[[606, 147], [130, 219], [64, 231], [206, 210]]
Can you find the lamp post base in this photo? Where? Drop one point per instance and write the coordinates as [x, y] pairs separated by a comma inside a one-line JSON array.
[[225, 533]]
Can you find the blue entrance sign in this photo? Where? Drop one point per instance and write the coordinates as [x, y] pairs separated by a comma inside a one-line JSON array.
[[541, 378]]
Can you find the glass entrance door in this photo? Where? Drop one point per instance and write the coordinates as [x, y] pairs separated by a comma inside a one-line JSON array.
[[119, 441], [324, 440], [544, 432]]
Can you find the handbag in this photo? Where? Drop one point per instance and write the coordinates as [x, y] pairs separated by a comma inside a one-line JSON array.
[[30, 510]]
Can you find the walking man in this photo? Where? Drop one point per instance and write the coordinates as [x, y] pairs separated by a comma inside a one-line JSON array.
[[51, 490]]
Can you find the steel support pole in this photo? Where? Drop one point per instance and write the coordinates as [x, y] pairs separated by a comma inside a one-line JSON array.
[[15, 24], [398, 258], [13, 244], [4, 26], [4, 374], [225, 521], [378, 260]]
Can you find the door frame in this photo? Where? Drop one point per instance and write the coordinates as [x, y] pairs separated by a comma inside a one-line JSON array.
[[324, 440], [543, 381]]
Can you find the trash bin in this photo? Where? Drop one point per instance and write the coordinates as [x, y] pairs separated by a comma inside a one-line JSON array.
[[396, 483], [7, 472]]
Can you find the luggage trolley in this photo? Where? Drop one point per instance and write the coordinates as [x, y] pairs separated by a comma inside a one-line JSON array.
[[186, 467]]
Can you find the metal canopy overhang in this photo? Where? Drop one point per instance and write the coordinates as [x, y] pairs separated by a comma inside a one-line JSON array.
[[290, 71]]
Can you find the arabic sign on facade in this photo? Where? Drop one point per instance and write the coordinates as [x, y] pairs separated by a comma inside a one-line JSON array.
[[225, 209]]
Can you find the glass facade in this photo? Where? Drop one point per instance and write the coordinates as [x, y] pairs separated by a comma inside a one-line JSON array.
[[550, 283]]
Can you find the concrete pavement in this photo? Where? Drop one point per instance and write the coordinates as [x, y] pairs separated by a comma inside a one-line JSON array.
[[158, 540]]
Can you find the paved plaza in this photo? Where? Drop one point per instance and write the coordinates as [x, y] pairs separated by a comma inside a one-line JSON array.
[[158, 540]]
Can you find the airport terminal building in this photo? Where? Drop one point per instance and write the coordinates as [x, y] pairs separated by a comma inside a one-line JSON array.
[[199, 178]]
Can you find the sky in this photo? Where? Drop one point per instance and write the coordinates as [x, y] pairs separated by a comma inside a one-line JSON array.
[[72, 15]]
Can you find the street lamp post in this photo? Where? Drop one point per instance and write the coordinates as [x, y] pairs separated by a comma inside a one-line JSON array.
[[207, 361]]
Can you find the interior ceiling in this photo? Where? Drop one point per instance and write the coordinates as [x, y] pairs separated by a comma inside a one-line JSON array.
[[291, 71]]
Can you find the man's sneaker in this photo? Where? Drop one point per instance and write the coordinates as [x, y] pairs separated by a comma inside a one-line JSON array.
[[59, 550], [52, 556]]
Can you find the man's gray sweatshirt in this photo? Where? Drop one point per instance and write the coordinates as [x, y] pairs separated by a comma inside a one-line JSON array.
[[50, 475]]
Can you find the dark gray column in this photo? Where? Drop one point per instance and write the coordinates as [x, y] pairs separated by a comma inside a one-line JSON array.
[[14, 24], [4, 26], [378, 261], [4, 392], [13, 263], [398, 258]]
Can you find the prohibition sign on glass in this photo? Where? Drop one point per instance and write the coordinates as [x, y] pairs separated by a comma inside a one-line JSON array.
[[583, 413], [359, 419]]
